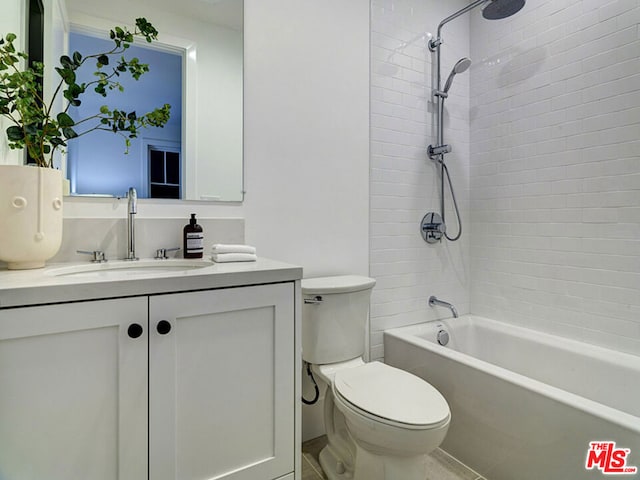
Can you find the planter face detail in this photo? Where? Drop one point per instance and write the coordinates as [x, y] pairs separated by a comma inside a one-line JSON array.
[[30, 214]]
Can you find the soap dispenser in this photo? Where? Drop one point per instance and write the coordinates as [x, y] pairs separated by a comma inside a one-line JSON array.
[[193, 239]]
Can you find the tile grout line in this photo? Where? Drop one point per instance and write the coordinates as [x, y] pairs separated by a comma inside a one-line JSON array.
[[318, 474], [478, 476]]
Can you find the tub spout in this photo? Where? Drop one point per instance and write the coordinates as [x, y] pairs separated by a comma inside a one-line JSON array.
[[433, 301]]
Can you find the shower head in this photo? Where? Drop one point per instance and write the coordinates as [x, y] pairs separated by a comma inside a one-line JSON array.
[[461, 66], [498, 9]]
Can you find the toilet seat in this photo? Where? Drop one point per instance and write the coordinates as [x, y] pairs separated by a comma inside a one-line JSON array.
[[391, 396]]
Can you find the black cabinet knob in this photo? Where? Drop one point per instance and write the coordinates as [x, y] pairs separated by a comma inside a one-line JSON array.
[[135, 330], [163, 327]]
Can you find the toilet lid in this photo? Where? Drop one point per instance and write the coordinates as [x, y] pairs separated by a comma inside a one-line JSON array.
[[392, 394], [336, 284]]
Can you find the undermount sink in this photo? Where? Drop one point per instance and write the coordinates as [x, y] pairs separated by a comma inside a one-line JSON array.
[[127, 269]]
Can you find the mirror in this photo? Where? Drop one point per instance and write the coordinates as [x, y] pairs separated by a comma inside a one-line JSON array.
[[198, 155]]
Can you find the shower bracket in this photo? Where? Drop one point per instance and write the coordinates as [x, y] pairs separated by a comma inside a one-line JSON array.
[[436, 152]]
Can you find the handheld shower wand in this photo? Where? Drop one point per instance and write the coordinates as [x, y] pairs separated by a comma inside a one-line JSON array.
[[461, 66]]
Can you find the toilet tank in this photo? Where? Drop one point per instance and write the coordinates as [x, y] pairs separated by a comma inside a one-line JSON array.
[[335, 311]]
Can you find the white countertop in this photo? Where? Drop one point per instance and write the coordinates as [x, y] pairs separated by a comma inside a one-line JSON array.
[[40, 286]]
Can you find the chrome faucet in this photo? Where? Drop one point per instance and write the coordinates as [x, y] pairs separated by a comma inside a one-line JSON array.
[[433, 301], [132, 209]]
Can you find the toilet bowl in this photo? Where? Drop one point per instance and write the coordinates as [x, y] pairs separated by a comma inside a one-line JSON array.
[[381, 422]]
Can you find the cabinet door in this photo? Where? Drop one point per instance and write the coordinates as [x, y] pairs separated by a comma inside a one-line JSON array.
[[221, 384], [73, 391]]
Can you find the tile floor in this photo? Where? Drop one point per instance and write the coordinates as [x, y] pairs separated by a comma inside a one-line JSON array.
[[443, 466]]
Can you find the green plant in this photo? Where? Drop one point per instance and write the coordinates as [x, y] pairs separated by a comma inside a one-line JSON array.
[[39, 129]]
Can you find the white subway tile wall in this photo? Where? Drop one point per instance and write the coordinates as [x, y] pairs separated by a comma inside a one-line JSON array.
[[555, 169], [545, 128], [404, 183]]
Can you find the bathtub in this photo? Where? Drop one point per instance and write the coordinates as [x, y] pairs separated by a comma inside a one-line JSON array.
[[525, 405]]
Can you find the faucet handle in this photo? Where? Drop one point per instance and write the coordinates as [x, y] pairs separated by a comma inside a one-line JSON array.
[[98, 255], [161, 253], [132, 206]]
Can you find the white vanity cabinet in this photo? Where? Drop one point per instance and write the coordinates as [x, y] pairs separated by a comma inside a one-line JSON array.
[[73, 391], [177, 386], [221, 384]]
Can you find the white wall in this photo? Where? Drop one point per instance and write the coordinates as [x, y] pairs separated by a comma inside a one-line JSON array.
[[404, 181], [220, 106], [555, 176], [306, 132], [11, 21]]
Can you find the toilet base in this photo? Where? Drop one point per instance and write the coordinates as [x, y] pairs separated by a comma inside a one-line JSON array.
[[369, 466], [333, 465]]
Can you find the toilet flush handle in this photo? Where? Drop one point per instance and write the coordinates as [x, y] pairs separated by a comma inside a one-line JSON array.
[[313, 301]]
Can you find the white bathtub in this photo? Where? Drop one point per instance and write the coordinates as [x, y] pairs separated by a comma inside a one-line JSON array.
[[524, 404]]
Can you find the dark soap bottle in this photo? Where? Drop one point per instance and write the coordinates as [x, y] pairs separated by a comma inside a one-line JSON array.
[[193, 239]]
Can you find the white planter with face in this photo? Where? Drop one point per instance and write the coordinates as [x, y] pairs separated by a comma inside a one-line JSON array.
[[30, 215]]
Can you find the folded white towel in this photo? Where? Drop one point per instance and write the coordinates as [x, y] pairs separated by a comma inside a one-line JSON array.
[[233, 257], [222, 248]]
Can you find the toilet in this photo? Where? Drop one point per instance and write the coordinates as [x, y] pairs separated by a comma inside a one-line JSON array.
[[381, 422]]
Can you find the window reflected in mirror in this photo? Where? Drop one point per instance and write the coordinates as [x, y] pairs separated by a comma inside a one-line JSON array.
[[100, 163], [164, 172]]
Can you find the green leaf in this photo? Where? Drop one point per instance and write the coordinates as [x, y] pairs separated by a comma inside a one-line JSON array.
[[74, 91], [15, 134], [66, 62], [77, 58], [51, 130], [68, 75], [103, 60], [64, 120], [69, 132], [146, 29]]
